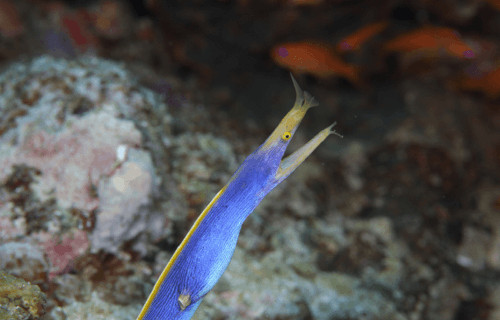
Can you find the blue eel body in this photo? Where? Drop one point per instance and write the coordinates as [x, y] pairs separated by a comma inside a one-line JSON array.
[[204, 254]]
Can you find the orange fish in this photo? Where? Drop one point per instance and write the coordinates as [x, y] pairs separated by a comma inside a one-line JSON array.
[[77, 30], [313, 58], [432, 41], [355, 40], [494, 3], [489, 84], [11, 24]]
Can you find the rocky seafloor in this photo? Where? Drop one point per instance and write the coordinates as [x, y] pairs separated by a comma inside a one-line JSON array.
[[100, 179]]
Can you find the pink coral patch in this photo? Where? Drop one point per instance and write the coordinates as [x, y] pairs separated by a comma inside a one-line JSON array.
[[73, 161], [63, 250]]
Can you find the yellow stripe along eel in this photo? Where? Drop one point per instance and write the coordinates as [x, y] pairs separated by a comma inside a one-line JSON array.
[[204, 254]]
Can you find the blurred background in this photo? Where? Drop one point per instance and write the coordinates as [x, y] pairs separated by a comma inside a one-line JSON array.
[[405, 216]]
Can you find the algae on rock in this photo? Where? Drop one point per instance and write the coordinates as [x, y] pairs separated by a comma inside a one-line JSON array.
[[20, 299]]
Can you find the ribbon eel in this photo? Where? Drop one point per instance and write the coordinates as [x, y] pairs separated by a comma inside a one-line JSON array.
[[204, 254]]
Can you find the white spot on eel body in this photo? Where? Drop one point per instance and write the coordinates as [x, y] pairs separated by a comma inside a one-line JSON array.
[[184, 301]]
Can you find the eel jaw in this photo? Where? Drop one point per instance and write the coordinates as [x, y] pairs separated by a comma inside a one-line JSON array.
[[290, 163], [291, 121], [277, 146]]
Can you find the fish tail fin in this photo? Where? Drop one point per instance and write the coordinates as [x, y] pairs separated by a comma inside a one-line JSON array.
[[352, 73]]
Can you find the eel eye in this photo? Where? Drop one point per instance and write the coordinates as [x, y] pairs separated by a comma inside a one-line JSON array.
[[286, 136]]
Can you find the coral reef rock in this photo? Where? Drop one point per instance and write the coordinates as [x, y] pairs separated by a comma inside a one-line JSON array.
[[20, 300]]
